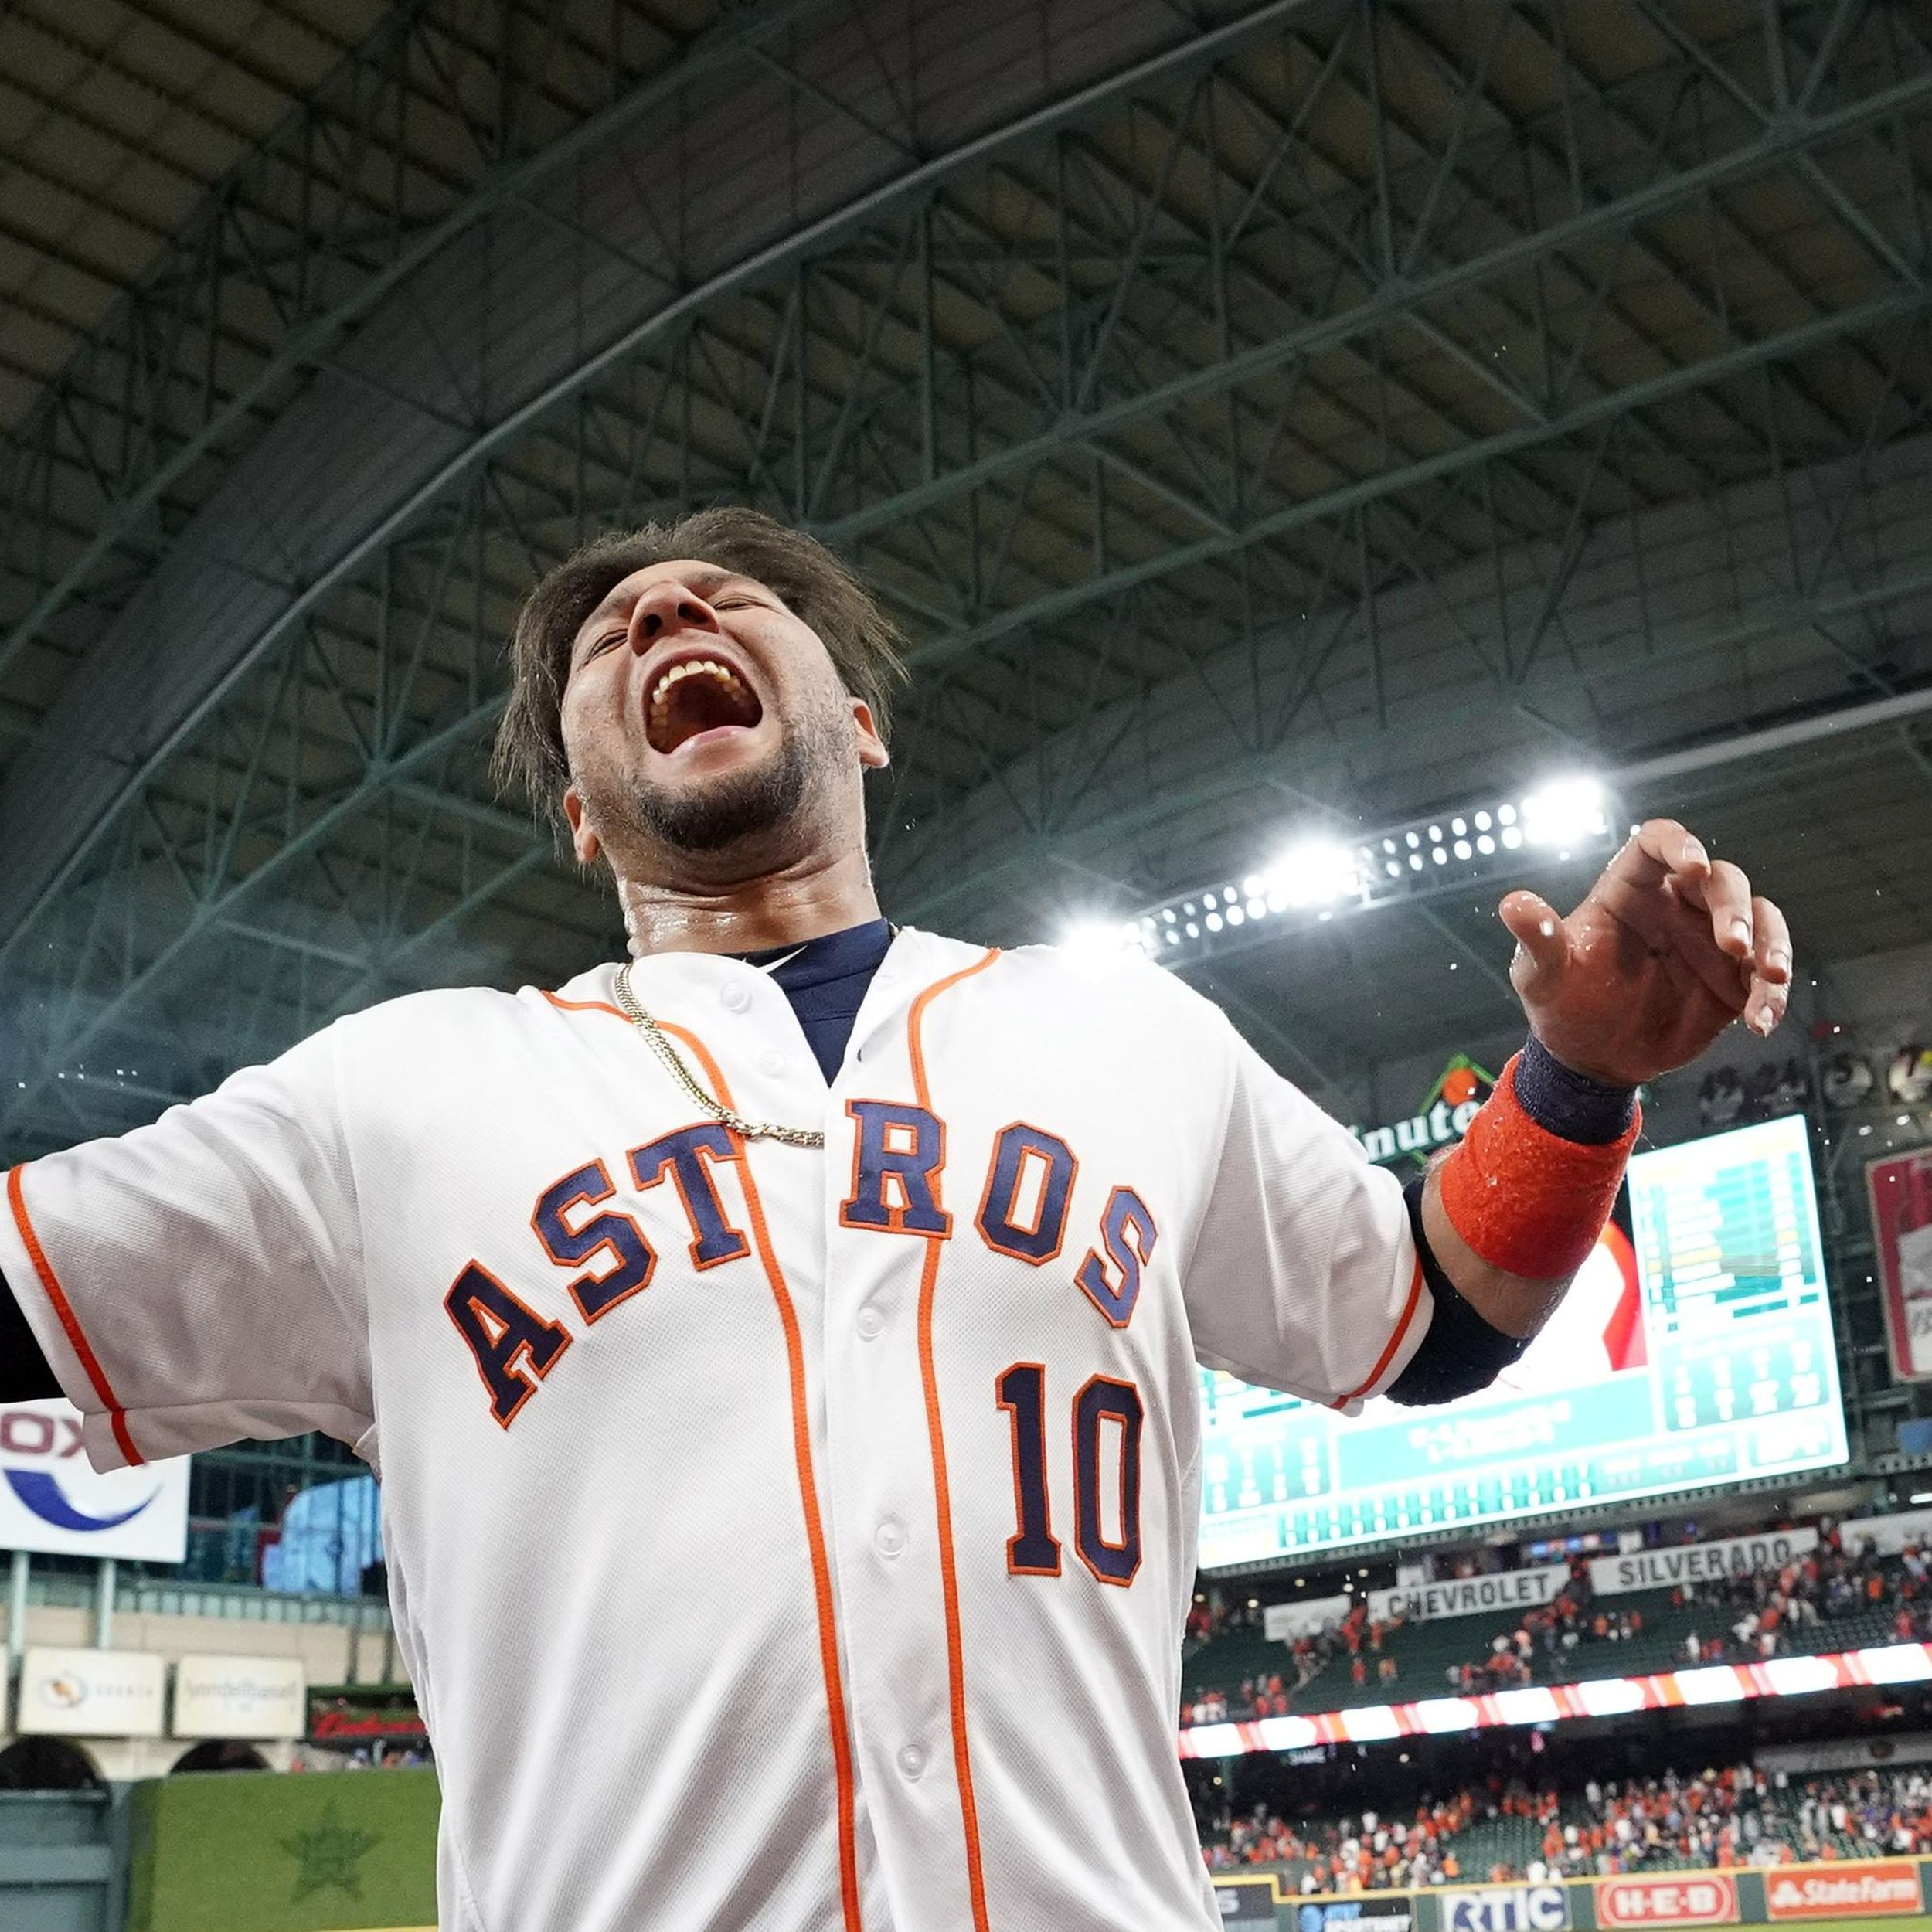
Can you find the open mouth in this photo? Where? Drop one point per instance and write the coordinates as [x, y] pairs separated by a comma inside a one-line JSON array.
[[697, 696]]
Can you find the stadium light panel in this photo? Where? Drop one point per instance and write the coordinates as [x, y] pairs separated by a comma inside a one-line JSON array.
[[1320, 877]]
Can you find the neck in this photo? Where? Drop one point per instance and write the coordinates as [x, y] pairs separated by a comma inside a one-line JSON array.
[[783, 908]]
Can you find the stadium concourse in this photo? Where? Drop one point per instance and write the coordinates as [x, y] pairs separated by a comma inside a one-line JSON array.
[[1331, 461]]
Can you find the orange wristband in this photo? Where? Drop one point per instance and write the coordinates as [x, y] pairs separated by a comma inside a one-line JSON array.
[[1524, 1200]]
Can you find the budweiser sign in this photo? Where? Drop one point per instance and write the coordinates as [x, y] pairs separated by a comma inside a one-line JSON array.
[[1854, 1891], [1702, 1898]]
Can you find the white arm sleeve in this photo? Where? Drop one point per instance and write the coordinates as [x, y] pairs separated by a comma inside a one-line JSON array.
[[200, 1279], [1303, 1274]]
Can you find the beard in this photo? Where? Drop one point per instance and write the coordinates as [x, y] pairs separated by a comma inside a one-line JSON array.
[[739, 809]]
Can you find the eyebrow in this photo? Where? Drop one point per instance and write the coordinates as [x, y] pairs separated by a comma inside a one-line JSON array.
[[703, 582]]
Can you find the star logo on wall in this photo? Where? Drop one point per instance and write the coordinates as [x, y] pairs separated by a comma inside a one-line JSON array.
[[327, 1854]]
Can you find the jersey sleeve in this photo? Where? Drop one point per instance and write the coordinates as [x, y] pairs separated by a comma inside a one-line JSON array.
[[1303, 1274], [199, 1280]]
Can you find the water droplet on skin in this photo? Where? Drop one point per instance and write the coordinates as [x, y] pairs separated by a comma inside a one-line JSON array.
[[1547, 929]]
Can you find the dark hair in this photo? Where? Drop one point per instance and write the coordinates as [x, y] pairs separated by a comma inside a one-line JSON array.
[[815, 585]]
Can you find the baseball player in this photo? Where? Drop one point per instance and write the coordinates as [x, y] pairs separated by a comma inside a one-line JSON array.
[[778, 1350]]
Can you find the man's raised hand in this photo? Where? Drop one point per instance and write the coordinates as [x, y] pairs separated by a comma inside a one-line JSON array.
[[1665, 951]]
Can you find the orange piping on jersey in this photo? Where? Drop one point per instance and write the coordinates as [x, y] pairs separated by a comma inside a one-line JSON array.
[[63, 1308], [1395, 1341], [942, 1494], [593, 1006], [808, 1488]]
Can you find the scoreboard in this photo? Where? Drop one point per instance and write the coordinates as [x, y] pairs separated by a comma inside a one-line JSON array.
[[1695, 1348]]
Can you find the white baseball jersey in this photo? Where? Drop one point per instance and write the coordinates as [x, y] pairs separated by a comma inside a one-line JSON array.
[[777, 1538]]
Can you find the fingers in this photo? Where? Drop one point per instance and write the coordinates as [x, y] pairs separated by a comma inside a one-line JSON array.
[[1773, 943], [1727, 901], [1542, 944], [1771, 988], [1661, 849]]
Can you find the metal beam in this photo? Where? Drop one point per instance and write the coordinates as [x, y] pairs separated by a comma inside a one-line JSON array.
[[1185, 57], [1059, 604], [312, 339], [1228, 777]]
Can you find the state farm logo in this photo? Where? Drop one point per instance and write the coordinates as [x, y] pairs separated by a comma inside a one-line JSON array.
[[1819, 1892], [1702, 1899]]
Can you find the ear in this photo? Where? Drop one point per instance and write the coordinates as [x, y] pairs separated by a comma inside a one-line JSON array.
[[583, 840], [872, 747]]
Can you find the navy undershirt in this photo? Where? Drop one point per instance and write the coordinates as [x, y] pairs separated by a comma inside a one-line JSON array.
[[825, 979]]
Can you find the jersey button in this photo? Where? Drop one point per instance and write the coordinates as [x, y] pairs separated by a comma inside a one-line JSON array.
[[912, 1759], [889, 1538], [735, 996], [871, 1324]]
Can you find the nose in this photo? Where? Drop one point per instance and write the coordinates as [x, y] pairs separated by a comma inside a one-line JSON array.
[[667, 607]]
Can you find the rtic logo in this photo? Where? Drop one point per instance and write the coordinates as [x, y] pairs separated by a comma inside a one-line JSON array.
[[34, 1438], [1512, 1908], [1702, 1900], [1816, 1892]]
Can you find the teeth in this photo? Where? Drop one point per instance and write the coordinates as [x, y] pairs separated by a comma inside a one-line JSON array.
[[661, 692]]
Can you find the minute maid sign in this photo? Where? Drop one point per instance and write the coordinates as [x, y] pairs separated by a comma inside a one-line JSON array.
[[52, 1501], [1445, 1115]]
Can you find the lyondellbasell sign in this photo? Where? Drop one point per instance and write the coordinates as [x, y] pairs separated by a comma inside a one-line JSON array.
[[262, 1697], [1452, 1105]]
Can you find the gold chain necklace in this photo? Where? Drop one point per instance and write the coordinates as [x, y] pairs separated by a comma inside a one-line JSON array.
[[659, 1044]]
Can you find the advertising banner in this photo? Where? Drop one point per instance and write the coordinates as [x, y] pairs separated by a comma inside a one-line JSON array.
[[1699, 1563], [1246, 1901], [90, 1693], [1880, 1888], [1507, 1908], [1684, 1898], [1466, 1595], [52, 1502], [1282, 1623], [1373, 1912], [1900, 1190], [240, 1697], [1887, 1535]]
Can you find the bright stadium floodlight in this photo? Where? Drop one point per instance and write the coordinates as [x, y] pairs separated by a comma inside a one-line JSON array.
[[1320, 876], [1565, 813], [1315, 873], [1099, 942]]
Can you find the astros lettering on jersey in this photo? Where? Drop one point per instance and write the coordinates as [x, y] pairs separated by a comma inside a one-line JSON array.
[[777, 1538]]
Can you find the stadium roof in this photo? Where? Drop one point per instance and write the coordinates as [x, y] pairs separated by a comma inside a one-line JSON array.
[[1264, 418]]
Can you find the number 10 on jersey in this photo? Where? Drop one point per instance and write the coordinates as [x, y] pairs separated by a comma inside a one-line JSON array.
[[1107, 1437]]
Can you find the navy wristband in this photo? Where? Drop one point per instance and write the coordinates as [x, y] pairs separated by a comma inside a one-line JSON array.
[[1460, 1352], [1571, 1105]]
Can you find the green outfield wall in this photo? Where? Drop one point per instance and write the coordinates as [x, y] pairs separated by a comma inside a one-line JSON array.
[[239, 1851]]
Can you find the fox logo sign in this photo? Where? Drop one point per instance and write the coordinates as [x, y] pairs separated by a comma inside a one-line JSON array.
[[53, 1503]]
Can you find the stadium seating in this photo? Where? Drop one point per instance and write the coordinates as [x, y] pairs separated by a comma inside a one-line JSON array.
[[1429, 1656]]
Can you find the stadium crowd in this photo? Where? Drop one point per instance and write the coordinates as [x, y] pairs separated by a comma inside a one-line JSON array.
[[1732, 1620], [1740, 1815]]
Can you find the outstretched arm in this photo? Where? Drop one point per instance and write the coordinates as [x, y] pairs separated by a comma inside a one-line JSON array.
[[1668, 949]]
